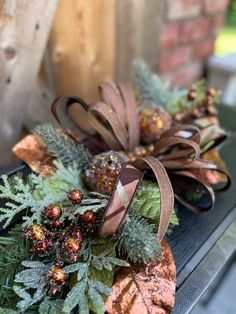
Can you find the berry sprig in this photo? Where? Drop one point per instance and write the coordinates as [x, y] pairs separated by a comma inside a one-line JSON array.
[[200, 107], [61, 238]]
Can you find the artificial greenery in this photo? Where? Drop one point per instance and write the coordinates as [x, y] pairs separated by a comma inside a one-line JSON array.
[[147, 202], [13, 250], [150, 88], [31, 197], [92, 278], [34, 277], [138, 239], [62, 147]]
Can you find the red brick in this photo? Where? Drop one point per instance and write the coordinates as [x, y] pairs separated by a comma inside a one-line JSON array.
[[181, 9], [186, 75], [169, 35], [217, 23], [215, 6], [174, 58], [204, 48], [195, 29]]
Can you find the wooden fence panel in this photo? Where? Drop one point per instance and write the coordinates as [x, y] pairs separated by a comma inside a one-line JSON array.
[[24, 29], [82, 46]]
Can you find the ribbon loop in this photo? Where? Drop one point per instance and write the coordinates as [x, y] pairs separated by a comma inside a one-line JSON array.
[[120, 200], [166, 191]]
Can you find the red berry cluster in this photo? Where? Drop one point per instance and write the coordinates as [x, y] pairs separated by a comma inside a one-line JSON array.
[[62, 239]]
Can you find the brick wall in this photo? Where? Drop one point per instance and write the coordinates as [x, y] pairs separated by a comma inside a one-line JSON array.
[[187, 37]]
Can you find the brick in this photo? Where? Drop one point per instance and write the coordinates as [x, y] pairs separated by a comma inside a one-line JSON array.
[[215, 6], [181, 9], [186, 75], [170, 35], [204, 48], [217, 23], [195, 29], [174, 58]]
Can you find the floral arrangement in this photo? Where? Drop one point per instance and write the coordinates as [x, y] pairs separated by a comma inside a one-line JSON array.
[[84, 231]]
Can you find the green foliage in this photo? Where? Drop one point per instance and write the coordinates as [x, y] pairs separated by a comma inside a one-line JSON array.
[[62, 147], [92, 201], [34, 277], [147, 202], [13, 250], [63, 180], [138, 239], [92, 278], [32, 196], [151, 89], [49, 306]]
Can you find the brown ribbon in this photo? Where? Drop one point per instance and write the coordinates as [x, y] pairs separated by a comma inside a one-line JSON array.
[[177, 153]]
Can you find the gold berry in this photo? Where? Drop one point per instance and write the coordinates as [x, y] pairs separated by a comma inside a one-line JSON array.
[[36, 232], [57, 276], [72, 245], [52, 211], [75, 196], [89, 217]]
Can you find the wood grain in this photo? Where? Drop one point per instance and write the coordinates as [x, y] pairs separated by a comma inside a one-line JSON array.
[[82, 46], [138, 27], [24, 29]]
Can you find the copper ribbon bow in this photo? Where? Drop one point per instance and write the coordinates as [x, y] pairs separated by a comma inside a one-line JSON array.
[[175, 158]]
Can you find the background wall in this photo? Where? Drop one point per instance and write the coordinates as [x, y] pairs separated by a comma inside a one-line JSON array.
[[66, 47], [187, 37]]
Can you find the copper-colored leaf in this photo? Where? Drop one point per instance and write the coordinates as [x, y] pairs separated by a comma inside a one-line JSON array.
[[33, 152], [149, 289]]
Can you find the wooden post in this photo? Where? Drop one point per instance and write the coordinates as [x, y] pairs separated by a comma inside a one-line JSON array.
[[82, 45], [24, 29], [138, 27]]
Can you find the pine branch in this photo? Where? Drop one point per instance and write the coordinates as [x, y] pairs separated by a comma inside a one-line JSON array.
[[138, 239], [92, 201], [148, 86], [151, 89], [62, 147], [13, 250]]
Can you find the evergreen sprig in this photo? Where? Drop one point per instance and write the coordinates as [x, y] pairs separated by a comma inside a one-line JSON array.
[[31, 196], [62, 147], [92, 278], [92, 201], [19, 197], [34, 277], [13, 251], [138, 239], [151, 89]]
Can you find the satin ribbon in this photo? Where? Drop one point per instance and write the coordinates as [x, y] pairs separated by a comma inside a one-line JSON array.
[[175, 158]]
